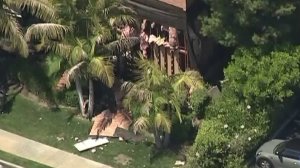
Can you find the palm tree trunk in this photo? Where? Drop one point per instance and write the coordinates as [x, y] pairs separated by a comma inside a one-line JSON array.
[[158, 141], [91, 99], [121, 66], [166, 141], [3, 92], [80, 95], [2, 99]]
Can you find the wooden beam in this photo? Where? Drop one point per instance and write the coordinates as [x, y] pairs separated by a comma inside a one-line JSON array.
[[176, 61], [169, 61], [155, 54], [162, 53]]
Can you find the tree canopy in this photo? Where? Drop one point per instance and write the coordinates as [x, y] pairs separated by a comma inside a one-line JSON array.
[[248, 22]]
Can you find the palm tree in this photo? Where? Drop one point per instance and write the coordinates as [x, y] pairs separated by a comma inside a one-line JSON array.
[[14, 37], [90, 66], [155, 99], [96, 24]]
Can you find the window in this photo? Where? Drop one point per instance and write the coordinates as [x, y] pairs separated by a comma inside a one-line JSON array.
[[292, 154]]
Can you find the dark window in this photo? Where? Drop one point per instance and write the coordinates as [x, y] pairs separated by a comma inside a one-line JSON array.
[[293, 154]]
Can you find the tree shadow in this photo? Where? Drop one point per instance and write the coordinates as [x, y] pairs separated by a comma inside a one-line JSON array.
[[71, 117], [11, 99]]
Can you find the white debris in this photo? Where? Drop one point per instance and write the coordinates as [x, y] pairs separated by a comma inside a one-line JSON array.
[[121, 139], [60, 138], [179, 163], [90, 143], [93, 150], [76, 138]]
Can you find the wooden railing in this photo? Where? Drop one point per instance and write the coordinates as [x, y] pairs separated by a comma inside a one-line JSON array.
[[172, 61]]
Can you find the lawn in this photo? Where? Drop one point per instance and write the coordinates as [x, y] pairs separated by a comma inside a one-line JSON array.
[[20, 161], [28, 119]]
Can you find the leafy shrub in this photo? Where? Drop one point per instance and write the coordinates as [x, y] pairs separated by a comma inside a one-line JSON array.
[[40, 77], [264, 79], [68, 98], [182, 132], [198, 102], [231, 133], [239, 120], [32, 74]]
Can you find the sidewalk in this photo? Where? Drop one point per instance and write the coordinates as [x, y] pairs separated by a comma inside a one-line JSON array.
[[43, 154]]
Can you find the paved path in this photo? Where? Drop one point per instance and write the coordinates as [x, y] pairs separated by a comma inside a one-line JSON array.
[[43, 154]]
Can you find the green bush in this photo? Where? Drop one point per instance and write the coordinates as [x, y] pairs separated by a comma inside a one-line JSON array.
[[263, 79], [233, 132], [240, 119], [68, 98], [198, 102], [182, 132], [32, 74], [40, 77]]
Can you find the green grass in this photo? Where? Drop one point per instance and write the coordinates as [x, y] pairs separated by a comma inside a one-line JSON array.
[[20, 161], [28, 119]]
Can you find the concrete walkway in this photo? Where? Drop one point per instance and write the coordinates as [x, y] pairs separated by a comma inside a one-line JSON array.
[[43, 154]]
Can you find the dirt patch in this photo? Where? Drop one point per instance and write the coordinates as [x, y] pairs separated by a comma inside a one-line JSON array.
[[122, 159]]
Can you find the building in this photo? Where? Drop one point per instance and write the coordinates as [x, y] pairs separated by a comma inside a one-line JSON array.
[[171, 29]]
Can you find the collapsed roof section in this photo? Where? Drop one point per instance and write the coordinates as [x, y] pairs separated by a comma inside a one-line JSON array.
[[167, 12]]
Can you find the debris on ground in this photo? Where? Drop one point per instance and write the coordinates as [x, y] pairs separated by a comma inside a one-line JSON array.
[[90, 143], [179, 163], [106, 123], [60, 138]]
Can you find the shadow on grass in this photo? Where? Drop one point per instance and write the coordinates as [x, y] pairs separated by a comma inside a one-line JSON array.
[[11, 99], [71, 117]]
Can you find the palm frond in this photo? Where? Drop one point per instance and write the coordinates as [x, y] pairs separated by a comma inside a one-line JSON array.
[[10, 29], [126, 86], [146, 107], [65, 80], [74, 70], [50, 31], [121, 15], [142, 123], [77, 55], [123, 20], [101, 68], [139, 92], [103, 35], [60, 49], [151, 73], [162, 121], [160, 101], [42, 9], [191, 79], [122, 45], [176, 104], [53, 64]]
